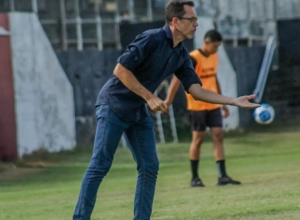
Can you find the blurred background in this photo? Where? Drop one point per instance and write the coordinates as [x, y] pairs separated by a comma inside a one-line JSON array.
[[86, 24], [55, 56], [87, 36]]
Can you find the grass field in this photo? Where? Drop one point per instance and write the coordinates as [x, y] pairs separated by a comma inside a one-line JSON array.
[[268, 164]]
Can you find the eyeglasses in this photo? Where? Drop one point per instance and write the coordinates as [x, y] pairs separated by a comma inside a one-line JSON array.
[[192, 20]]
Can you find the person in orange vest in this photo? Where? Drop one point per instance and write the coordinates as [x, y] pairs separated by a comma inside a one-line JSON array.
[[204, 114]]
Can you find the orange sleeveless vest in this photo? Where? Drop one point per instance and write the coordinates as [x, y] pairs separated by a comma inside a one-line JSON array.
[[206, 69]]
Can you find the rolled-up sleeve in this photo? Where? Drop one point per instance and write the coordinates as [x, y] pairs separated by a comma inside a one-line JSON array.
[[186, 74], [137, 51]]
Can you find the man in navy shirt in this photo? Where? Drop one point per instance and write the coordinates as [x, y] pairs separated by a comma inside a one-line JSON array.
[[120, 107]]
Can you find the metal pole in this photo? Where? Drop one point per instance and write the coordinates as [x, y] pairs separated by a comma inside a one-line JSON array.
[[250, 41], [160, 128], [173, 125], [149, 10], [131, 9], [265, 20], [158, 119], [275, 9], [78, 26], [292, 9], [217, 18], [35, 7], [165, 85], [98, 26], [12, 5], [217, 8], [235, 22], [275, 15], [117, 29], [172, 118], [63, 25]]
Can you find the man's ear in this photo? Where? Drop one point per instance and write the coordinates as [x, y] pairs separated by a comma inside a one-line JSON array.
[[174, 21]]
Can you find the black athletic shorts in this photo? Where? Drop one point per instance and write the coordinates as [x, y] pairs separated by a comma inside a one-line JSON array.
[[200, 120]]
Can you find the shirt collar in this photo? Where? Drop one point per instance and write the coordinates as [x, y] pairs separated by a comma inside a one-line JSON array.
[[202, 52], [167, 30]]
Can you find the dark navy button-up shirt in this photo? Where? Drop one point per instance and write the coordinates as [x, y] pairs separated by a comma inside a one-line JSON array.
[[151, 57]]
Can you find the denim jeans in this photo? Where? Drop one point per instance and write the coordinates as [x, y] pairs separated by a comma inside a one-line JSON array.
[[141, 139]]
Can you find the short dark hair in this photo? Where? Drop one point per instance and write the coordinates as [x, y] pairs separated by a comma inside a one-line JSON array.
[[175, 8], [213, 36]]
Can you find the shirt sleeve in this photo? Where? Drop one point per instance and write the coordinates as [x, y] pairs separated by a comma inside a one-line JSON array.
[[137, 51], [186, 74]]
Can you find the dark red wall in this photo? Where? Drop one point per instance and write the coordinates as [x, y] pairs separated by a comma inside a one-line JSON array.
[[8, 137]]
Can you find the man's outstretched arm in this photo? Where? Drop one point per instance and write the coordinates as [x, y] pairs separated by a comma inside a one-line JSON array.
[[201, 94]]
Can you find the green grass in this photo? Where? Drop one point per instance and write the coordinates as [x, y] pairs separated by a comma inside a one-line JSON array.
[[268, 164]]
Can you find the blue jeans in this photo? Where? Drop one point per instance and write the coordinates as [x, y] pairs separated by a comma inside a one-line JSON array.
[[141, 139]]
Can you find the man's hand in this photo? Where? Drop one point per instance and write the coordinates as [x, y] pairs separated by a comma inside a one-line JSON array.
[[168, 104], [243, 102], [225, 111], [156, 104]]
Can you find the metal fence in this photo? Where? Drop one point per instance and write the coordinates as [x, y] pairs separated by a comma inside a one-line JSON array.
[[80, 24]]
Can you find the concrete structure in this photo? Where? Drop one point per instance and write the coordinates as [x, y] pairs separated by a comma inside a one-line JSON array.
[[41, 97]]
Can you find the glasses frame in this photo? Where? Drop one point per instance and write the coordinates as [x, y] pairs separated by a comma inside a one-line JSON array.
[[192, 20]]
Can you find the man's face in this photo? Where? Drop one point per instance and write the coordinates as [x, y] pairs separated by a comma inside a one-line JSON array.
[[187, 24], [212, 47]]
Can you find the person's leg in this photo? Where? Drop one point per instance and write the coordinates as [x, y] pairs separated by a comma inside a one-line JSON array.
[[215, 122], [198, 126], [141, 139], [109, 131], [219, 152], [195, 150]]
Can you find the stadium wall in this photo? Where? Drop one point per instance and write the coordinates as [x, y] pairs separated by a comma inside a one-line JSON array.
[[87, 71], [8, 143], [283, 93], [246, 62], [40, 97]]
